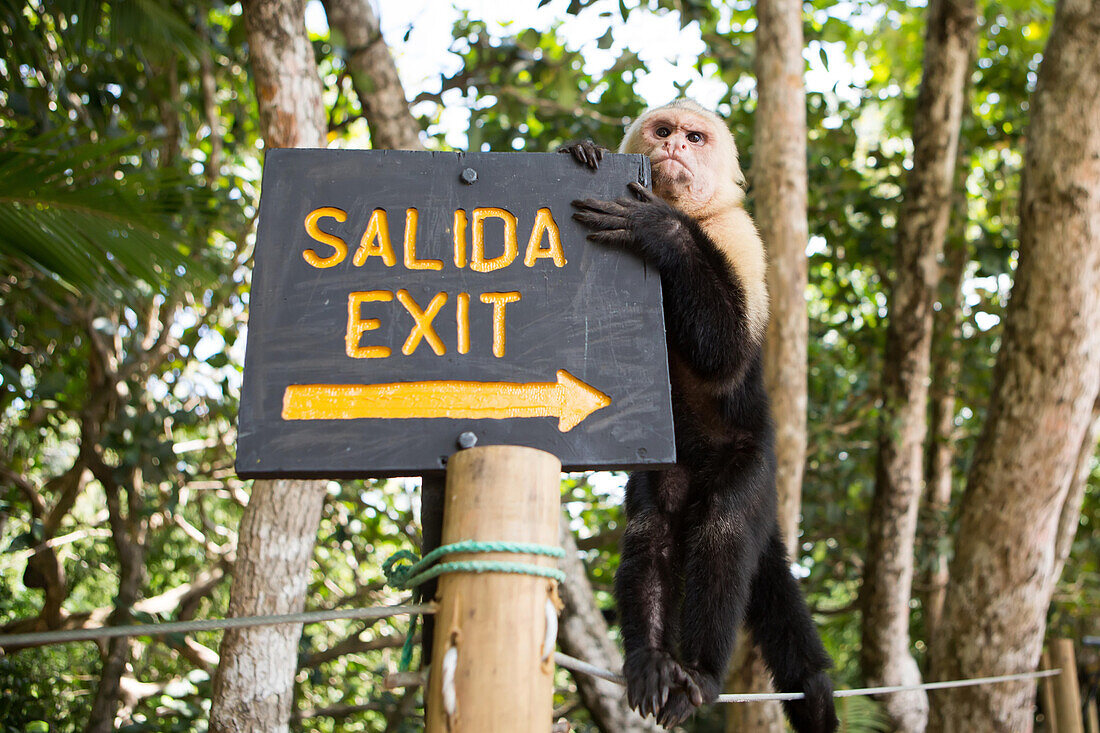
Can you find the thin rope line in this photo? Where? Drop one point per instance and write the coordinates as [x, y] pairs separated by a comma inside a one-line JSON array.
[[379, 612], [41, 638], [954, 683], [578, 665]]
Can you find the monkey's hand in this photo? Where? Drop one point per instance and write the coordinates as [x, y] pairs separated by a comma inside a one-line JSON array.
[[585, 152], [682, 701], [643, 223], [653, 677]]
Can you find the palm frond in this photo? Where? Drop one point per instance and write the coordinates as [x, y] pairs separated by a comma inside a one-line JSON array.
[[862, 715], [153, 24], [81, 215]]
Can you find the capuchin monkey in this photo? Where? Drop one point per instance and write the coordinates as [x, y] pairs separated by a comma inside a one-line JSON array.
[[702, 552]]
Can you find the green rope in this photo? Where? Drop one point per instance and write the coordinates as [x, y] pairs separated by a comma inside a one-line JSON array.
[[416, 571], [407, 647]]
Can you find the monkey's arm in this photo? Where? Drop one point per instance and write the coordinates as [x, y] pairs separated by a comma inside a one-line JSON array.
[[705, 306]]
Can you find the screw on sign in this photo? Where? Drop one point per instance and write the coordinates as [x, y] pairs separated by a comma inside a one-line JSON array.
[[401, 300]]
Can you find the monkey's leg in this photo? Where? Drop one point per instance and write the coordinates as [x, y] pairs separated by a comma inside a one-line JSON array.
[[785, 632], [716, 590], [646, 593], [723, 548]]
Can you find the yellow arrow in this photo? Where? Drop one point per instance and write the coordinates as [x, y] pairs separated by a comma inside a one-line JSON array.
[[569, 399]]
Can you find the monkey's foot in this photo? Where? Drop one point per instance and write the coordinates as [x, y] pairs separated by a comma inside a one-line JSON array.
[[676, 710], [651, 678], [683, 701], [816, 713]]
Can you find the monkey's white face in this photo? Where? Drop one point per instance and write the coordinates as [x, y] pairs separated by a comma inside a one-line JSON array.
[[683, 148]]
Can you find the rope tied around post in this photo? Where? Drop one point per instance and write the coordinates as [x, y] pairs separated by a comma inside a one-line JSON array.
[[405, 570], [420, 570]]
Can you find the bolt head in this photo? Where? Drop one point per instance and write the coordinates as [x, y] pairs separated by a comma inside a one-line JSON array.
[[469, 176]]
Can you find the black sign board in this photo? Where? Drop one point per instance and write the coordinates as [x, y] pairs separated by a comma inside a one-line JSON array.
[[401, 300]]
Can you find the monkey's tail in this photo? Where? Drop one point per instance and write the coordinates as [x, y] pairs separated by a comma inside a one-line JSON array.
[[782, 627]]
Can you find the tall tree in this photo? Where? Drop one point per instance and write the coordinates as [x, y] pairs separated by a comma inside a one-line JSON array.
[[780, 182], [374, 75], [385, 106], [1045, 386], [940, 457], [254, 684], [922, 228]]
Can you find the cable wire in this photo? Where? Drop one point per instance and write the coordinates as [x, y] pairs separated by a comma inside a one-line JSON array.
[[579, 665], [39, 638]]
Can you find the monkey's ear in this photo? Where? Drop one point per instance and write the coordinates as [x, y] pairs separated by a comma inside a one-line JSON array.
[[739, 178]]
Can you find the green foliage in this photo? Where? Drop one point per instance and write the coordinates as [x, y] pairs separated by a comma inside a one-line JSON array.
[[542, 97], [87, 216], [96, 204], [861, 714], [32, 696], [121, 296]]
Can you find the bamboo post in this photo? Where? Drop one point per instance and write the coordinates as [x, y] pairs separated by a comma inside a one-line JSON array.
[[1067, 693], [490, 627]]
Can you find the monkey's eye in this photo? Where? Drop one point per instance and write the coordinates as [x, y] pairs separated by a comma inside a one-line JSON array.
[[662, 131], [695, 137]]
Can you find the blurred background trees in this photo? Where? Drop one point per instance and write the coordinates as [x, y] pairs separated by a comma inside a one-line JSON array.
[[131, 147]]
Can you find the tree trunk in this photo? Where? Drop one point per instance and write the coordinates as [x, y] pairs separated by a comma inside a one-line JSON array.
[[284, 73], [780, 190], [131, 571], [1045, 387], [583, 633], [374, 75], [1071, 509], [128, 528], [922, 225], [940, 472], [779, 184], [254, 683], [105, 705]]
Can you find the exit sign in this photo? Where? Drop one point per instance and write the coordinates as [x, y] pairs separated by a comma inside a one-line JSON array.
[[401, 300]]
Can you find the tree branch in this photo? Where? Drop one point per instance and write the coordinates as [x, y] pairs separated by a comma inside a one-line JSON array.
[[21, 482], [353, 645]]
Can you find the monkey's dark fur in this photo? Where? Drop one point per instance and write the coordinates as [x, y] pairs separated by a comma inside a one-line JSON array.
[[702, 552]]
